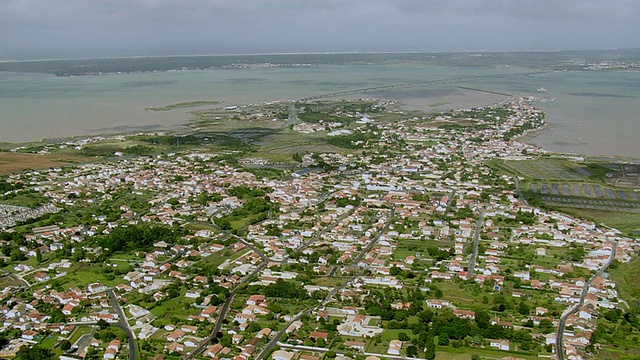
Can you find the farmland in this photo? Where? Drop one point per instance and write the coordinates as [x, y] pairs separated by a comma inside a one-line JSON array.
[[566, 183], [547, 169], [14, 162]]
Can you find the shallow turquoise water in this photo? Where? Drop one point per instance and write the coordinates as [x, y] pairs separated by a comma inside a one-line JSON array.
[[593, 113]]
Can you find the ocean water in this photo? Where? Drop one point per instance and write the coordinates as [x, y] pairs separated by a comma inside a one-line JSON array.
[[594, 112]]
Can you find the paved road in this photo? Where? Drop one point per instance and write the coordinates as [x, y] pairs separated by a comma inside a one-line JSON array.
[[276, 338], [450, 201], [19, 278], [563, 320], [519, 191], [124, 325], [223, 313], [476, 238]]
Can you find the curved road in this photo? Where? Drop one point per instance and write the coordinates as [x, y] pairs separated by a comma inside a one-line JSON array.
[[476, 238], [276, 338], [563, 320], [124, 325]]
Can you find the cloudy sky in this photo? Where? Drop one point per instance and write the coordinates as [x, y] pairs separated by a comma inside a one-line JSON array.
[[31, 29]]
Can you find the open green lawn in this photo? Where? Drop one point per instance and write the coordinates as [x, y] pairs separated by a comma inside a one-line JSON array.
[[455, 294], [387, 336], [81, 275], [408, 247], [179, 307], [465, 353], [609, 353], [625, 222], [78, 332], [220, 257], [626, 276]]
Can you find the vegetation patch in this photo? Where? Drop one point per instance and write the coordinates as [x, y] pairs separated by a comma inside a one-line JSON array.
[[186, 104]]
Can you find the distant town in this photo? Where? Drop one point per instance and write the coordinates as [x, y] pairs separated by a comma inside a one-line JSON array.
[[416, 238]]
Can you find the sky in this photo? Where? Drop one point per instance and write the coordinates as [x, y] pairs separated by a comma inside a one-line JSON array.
[[36, 29]]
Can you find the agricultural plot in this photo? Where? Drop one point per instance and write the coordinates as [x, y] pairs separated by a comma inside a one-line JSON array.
[[547, 169], [593, 203], [583, 191], [587, 196]]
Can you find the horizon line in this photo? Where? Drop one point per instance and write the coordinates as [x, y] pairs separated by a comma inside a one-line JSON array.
[[309, 53]]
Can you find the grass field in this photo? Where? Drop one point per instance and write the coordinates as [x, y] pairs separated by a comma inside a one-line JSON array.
[[625, 222], [626, 276], [15, 162], [465, 353], [78, 332], [547, 169], [179, 307]]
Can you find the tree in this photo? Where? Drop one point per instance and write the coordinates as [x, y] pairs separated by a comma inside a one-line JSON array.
[[545, 325], [483, 319], [34, 353], [17, 255], [65, 345], [443, 339], [102, 324], [523, 308], [430, 353], [412, 351], [403, 336]]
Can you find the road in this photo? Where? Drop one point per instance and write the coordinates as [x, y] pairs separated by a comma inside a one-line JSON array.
[[519, 191], [276, 338], [316, 237], [319, 349], [124, 325], [476, 239], [563, 319], [19, 278], [223, 313], [450, 201]]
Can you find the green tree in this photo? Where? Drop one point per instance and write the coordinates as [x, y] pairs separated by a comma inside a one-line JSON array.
[[412, 351], [65, 345]]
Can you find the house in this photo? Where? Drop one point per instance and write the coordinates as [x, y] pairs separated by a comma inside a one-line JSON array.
[[283, 355], [41, 276], [29, 335], [189, 329], [294, 327], [255, 300], [315, 335], [114, 344], [264, 332], [394, 347], [213, 350], [174, 347], [96, 288], [438, 304], [499, 344], [176, 335], [357, 345], [110, 353], [464, 314]]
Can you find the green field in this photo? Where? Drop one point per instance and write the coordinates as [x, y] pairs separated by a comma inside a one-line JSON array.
[[626, 222], [546, 169], [626, 276], [186, 104]]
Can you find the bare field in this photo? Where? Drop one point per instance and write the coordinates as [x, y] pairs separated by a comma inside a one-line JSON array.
[[14, 162]]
